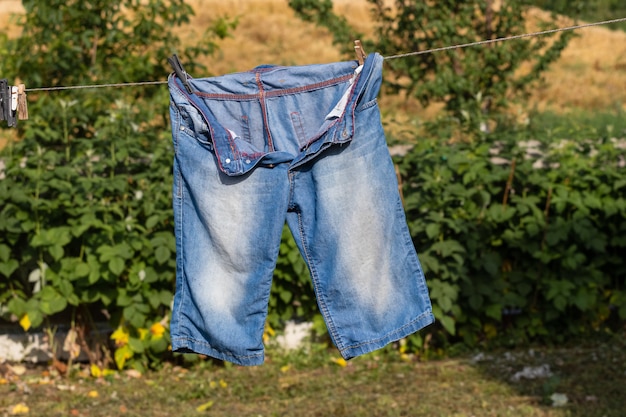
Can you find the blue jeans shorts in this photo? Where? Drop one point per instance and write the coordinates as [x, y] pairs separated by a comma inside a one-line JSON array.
[[305, 145]]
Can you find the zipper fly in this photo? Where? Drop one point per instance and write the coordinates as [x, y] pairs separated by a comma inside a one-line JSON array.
[[259, 83]]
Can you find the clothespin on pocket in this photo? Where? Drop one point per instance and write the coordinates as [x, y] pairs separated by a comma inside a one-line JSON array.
[[360, 52], [13, 105]]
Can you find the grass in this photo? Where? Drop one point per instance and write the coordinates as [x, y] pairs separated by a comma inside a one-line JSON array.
[[579, 124], [591, 377]]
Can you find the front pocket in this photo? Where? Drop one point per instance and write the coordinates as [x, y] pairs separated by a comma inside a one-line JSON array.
[[366, 106]]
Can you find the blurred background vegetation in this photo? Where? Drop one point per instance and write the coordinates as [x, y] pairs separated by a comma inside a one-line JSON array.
[[514, 179]]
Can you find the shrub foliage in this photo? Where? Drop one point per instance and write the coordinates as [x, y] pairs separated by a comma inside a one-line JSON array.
[[86, 222], [519, 237]]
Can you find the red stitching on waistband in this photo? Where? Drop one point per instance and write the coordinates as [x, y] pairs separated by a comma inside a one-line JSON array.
[[282, 92]]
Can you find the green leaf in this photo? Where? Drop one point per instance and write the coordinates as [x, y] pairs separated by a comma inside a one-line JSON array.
[[136, 345], [430, 263], [35, 317], [165, 297], [117, 265], [81, 270], [560, 302], [51, 301], [17, 306], [152, 221], [447, 247], [162, 254], [285, 296], [56, 251], [432, 230], [584, 299], [134, 317], [5, 253], [492, 262], [154, 299], [123, 299], [94, 269], [159, 345], [448, 324], [494, 311], [500, 213], [475, 301], [7, 268]]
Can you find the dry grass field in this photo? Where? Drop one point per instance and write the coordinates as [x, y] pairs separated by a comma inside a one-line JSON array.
[[591, 74]]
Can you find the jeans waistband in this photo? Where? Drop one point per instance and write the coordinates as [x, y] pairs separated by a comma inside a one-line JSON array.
[[276, 82]]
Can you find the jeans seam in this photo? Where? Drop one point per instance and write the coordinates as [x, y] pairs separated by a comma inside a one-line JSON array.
[[417, 319], [278, 93], [203, 343], [408, 241], [296, 122], [366, 106], [245, 127], [179, 246]]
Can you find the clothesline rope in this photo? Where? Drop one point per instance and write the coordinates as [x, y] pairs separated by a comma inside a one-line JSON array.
[[415, 53], [114, 85], [508, 38]]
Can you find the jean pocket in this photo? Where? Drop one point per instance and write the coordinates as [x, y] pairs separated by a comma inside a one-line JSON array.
[[367, 105]]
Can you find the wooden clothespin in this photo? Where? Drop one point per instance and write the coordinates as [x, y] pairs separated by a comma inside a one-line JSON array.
[[22, 103], [360, 52]]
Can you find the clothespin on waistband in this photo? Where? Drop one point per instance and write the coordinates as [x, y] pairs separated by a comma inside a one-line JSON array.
[[13, 106], [180, 71], [360, 52]]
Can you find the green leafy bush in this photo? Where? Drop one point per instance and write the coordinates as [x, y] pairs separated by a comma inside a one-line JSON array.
[[85, 196], [520, 238], [473, 84]]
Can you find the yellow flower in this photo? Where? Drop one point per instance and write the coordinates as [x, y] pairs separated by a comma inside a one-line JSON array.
[[142, 333], [120, 336], [25, 323], [20, 408], [93, 394], [96, 372], [204, 406], [341, 362], [157, 330], [268, 333]]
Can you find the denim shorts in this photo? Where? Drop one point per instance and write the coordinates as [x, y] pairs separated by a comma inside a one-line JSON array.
[[305, 145]]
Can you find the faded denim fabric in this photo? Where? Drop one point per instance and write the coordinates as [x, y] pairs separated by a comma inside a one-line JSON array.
[[303, 144]]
